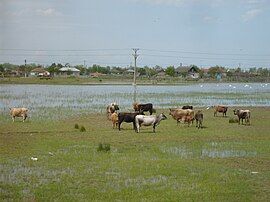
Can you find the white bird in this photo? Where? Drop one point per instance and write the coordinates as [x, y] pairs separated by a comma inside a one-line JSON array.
[[34, 158]]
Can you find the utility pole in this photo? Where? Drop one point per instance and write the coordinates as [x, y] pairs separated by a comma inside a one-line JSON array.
[[84, 63], [24, 68], [135, 55]]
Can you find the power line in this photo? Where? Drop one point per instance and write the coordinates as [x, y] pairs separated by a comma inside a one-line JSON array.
[[203, 53], [67, 50]]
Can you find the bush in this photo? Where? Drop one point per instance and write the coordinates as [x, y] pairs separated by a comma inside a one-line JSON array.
[[82, 129], [76, 126], [105, 147], [233, 120]]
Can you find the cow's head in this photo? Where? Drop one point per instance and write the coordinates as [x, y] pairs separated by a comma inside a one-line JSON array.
[[235, 111]]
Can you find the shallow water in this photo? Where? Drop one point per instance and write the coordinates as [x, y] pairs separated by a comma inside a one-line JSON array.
[[76, 98]]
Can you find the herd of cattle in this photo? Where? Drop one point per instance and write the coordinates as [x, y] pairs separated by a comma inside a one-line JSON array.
[[186, 114]]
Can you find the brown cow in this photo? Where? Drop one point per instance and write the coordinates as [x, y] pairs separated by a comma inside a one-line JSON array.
[[114, 118], [242, 114], [221, 109], [180, 114], [143, 107], [18, 112]]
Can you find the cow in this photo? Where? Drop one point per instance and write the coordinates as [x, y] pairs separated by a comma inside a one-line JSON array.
[[199, 119], [152, 120], [221, 109], [242, 114], [143, 107], [18, 112], [187, 107], [114, 118], [180, 114], [111, 109], [187, 119], [128, 117]]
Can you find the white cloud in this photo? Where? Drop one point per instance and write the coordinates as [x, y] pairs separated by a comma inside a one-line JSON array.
[[164, 2], [251, 14], [210, 19], [47, 12], [180, 2]]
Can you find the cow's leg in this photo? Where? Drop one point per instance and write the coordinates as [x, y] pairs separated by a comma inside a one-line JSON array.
[[119, 125], [151, 111], [154, 128], [136, 127], [24, 117], [196, 123], [13, 118]]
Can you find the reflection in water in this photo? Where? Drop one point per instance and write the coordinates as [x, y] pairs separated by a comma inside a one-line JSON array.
[[134, 93]]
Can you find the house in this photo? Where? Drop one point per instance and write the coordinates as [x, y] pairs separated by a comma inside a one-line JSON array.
[[69, 71], [39, 72], [188, 71], [96, 74]]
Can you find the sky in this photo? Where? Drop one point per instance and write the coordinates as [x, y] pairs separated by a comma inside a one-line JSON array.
[[206, 33]]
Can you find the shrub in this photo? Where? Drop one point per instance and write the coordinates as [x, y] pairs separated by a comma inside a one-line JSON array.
[[76, 126], [233, 120], [105, 147], [82, 129]]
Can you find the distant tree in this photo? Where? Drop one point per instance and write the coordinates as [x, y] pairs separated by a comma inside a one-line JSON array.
[[170, 71], [150, 71], [2, 70], [54, 69], [100, 69], [213, 71], [263, 71], [253, 70], [83, 70], [142, 71]]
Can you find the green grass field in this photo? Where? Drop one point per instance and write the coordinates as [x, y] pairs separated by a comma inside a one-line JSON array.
[[221, 162]]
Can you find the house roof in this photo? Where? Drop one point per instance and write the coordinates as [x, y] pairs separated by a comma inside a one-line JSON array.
[[38, 70], [183, 69], [66, 69]]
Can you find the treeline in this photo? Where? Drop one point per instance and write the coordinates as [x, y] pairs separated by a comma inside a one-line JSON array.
[[192, 71]]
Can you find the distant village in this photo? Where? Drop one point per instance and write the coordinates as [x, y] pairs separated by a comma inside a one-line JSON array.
[[191, 72]]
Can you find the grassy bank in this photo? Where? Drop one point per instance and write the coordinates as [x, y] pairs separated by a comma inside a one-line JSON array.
[[89, 80], [221, 162]]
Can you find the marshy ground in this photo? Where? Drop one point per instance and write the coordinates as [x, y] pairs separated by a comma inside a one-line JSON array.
[[47, 159]]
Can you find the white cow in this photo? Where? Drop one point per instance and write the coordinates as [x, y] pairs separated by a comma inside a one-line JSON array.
[[152, 120]]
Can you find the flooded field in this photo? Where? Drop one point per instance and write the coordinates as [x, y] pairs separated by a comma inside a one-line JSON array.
[[65, 99]]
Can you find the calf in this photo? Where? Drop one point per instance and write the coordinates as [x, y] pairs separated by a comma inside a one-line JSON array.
[[128, 117], [179, 114], [199, 119], [18, 112], [113, 107], [242, 114], [221, 109], [114, 118], [143, 107]]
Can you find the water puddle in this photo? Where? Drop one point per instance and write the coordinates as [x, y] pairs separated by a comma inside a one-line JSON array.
[[185, 153]]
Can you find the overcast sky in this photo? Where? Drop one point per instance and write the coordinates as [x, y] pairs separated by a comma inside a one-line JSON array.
[[167, 32]]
